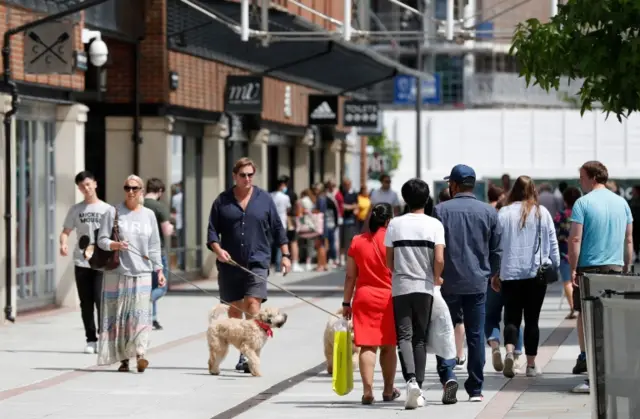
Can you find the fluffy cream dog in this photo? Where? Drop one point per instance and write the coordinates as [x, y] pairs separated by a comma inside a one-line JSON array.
[[248, 336], [328, 342]]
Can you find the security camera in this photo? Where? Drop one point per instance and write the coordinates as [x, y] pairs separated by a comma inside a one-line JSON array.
[[98, 51]]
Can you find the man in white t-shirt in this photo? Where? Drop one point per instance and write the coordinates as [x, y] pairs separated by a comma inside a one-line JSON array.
[[85, 217], [385, 195], [415, 254], [283, 205], [176, 208]]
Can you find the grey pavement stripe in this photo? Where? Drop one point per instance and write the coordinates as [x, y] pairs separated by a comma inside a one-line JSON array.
[[272, 391]]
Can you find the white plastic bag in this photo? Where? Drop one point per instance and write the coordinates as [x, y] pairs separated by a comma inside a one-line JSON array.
[[441, 340]]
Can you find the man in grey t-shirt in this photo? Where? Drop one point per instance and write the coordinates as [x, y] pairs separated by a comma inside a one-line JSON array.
[[84, 217]]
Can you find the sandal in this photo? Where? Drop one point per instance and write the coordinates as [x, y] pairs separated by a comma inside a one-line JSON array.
[[392, 397], [124, 366], [571, 315], [142, 363], [368, 400]]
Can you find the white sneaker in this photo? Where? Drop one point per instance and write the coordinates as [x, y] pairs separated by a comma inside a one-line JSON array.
[[91, 348], [531, 371], [413, 394], [582, 388], [476, 399], [296, 268]]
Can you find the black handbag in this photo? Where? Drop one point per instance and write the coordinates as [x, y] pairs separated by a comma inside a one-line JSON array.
[[546, 273], [106, 260]]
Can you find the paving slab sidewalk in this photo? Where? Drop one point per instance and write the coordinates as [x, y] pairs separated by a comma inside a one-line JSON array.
[[43, 375]]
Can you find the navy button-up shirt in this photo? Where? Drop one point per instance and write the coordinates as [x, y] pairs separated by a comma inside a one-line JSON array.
[[472, 236], [246, 235]]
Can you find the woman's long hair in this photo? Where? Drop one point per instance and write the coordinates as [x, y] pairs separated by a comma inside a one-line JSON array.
[[524, 190], [380, 215]]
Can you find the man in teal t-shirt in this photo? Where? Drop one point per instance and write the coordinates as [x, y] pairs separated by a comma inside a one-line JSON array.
[[601, 240]]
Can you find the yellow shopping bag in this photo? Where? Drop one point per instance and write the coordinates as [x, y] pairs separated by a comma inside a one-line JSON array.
[[342, 359]]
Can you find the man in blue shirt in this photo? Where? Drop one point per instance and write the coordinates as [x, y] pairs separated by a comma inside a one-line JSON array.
[[472, 258], [243, 223], [600, 240]]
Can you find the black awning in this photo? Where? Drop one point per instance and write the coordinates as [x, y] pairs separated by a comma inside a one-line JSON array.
[[329, 65]]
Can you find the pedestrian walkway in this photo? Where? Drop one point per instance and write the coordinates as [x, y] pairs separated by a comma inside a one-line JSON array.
[[44, 373]]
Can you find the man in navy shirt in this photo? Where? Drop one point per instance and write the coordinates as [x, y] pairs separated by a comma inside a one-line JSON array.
[[473, 256], [242, 225]]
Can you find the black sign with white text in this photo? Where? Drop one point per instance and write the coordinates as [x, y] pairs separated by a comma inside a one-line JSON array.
[[361, 113], [243, 95], [323, 110]]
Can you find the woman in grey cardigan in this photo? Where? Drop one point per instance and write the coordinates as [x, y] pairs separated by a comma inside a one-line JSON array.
[[126, 293]]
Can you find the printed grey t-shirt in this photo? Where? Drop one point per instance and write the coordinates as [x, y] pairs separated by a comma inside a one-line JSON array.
[[380, 196], [283, 204], [85, 220], [413, 238], [140, 229]]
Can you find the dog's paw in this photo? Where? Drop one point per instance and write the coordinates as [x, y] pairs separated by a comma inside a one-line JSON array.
[[214, 372]]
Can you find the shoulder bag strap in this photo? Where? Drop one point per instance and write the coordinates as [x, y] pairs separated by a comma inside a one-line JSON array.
[[539, 233], [116, 227]]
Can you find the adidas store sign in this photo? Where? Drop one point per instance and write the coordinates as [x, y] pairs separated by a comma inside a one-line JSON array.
[[323, 110]]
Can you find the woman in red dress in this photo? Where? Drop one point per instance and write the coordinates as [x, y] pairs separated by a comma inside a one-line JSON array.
[[372, 311]]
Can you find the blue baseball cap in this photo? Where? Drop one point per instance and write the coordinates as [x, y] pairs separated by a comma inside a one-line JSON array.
[[462, 174]]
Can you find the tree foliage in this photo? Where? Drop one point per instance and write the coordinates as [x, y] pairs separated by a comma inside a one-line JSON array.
[[597, 41], [387, 148]]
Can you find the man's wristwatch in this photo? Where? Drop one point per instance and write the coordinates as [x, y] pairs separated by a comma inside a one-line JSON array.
[[346, 304], [287, 255]]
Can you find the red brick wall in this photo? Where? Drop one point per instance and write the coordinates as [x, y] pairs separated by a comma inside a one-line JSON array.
[[331, 8], [18, 16]]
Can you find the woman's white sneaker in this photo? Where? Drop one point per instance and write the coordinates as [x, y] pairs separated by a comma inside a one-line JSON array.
[[90, 348], [413, 394], [531, 371]]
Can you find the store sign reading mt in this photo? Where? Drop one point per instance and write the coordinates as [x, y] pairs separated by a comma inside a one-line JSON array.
[[48, 49], [243, 95]]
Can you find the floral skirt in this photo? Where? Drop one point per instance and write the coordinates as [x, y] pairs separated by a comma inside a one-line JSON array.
[[126, 317]]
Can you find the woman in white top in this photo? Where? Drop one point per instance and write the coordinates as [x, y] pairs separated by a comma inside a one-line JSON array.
[[528, 240]]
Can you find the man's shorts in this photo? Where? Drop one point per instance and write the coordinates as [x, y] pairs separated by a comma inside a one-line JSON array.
[[292, 235], [607, 269], [235, 284]]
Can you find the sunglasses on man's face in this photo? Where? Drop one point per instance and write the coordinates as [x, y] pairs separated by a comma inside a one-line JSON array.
[[128, 188], [246, 175]]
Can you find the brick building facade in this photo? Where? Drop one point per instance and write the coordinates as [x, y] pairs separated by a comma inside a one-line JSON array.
[[126, 117]]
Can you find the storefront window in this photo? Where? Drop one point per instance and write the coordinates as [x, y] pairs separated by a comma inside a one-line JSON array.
[[235, 151], [186, 183], [35, 212]]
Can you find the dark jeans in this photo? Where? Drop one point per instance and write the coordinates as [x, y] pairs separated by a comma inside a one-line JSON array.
[[523, 296], [495, 304], [89, 285], [412, 313], [330, 235], [472, 307]]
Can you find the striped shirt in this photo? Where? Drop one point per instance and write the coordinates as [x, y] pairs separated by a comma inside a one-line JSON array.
[[412, 238]]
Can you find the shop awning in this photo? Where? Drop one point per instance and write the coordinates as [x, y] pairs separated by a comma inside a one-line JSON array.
[[331, 65]]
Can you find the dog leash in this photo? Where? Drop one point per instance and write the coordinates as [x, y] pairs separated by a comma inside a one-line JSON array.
[[133, 250], [236, 264]]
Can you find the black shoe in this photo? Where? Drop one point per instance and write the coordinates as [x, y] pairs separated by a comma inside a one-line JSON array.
[[242, 364], [581, 366], [460, 361], [449, 393], [156, 325]]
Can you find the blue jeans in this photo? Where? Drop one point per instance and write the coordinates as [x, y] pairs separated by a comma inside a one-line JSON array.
[[330, 235], [156, 291], [472, 308], [278, 258], [495, 304]]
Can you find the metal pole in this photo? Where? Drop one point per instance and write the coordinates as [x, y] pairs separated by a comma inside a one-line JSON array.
[[419, 66], [346, 28], [244, 20], [8, 116], [450, 20]]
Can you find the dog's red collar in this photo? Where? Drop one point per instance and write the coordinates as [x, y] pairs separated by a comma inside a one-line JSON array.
[[265, 327]]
